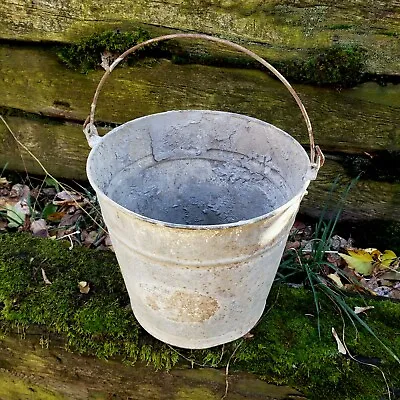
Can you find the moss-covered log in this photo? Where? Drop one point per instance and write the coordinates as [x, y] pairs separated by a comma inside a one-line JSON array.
[[282, 26], [365, 118], [367, 200], [285, 347], [35, 365], [58, 145]]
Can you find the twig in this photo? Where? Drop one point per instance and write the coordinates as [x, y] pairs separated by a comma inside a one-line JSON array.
[[192, 362], [222, 354], [227, 371], [322, 251], [26, 169], [47, 172], [311, 251], [38, 194], [69, 237], [4, 168]]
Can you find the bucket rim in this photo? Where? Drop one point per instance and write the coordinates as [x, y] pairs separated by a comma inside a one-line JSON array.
[[295, 199]]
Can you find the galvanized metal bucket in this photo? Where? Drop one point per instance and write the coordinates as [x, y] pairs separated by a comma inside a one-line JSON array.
[[198, 205]]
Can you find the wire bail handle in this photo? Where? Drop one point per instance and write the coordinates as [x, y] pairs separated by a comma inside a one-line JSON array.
[[316, 156]]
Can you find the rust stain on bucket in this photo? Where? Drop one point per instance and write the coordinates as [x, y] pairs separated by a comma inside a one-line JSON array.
[[191, 307], [152, 303]]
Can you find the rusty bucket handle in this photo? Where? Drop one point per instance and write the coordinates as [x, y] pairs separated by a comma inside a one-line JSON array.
[[89, 128]]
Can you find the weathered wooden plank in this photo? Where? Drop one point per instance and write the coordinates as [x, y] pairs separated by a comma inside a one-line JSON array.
[[62, 149], [280, 24], [367, 200], [59, 146], [365, 118], [29, 370]]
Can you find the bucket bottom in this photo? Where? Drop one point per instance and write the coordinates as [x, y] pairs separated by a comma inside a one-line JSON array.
[[197, 343], [194, 192]]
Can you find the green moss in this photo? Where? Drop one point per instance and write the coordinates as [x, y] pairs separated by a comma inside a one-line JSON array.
[[390, 33], [190, 393], [13, 388], [99, 323], [341, 27], [339, 65], [285, 348], [216, 60], [85, 55], [15, 112], [382, 166]]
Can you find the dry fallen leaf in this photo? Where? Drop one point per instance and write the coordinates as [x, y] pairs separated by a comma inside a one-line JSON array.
[[395, 294], [55, 217], [370, 284], [334, 259], [4, 181], [383, 291], [107, 240], [292, 245], [66, 198], [70, 219], [337, 243], [4, 192], [391, 276], [359, 310], [39, 228], [84, 287], [248, 336], [298, 225], [340, 345], [46, 281], [89, 237], [106, 59], [20, 191], [50, 192], [336, 278]]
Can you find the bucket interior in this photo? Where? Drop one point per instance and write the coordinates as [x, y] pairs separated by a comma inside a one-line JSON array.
[[199, 167]]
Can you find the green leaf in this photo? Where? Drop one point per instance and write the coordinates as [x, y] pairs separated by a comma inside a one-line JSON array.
[[359, 260], [52, 183], [15, 217], [388, 257], [49, 209]]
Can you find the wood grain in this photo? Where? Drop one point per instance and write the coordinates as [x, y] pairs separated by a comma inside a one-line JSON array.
[[365, 118], [280, 25], [30, 370], [63, 150]]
